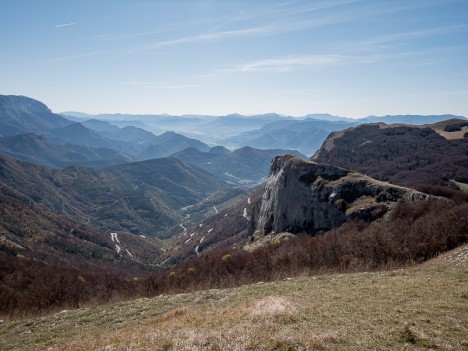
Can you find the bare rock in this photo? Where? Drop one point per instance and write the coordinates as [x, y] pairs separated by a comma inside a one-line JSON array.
[[303, 196]]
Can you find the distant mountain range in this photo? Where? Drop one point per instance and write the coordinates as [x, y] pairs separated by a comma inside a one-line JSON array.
[[92, 142], [306, 135], [242, 166], [269, 131], [30, 131]]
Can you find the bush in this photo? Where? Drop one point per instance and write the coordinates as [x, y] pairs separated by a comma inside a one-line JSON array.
[[415, 232]]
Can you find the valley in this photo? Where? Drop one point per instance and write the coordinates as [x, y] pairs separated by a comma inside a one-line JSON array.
[[104, 223]]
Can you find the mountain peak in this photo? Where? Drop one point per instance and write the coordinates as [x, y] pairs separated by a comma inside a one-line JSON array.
[[22, 103], [219, 150], [21, 114]]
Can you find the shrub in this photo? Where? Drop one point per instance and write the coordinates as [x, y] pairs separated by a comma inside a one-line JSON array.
[[415, 232]]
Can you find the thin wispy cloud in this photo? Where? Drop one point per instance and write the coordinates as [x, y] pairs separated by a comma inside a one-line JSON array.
[[268, 13], [210, 37], [160, 85], [128, 36], [287, 64], [173, 27], [267, 29], [278, 20], [80, 22], [216, 36], [67, 24], [285, 10], [410, 35], [293, 16]]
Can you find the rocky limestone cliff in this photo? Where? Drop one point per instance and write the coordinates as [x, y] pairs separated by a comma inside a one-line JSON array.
[[20, 115], [303, 196]]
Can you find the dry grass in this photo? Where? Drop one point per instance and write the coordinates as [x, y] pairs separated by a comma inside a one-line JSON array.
[[461, 186], [420, 308], [452, 135]]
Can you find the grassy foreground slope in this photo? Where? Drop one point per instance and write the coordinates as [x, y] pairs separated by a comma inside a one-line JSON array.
[[418, 308]]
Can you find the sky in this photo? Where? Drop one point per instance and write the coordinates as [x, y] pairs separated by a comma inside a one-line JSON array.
[[350, 58]]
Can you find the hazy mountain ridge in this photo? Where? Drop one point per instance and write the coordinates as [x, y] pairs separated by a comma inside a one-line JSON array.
[[268, 131], [169, 143], [98, 143], [20, 114], [37, 149], [410, 119], [88, 143], [304, 135], [76, 133], [243, 166]]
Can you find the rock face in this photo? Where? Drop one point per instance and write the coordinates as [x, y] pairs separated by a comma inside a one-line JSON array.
[[303, 196], [20, 115]]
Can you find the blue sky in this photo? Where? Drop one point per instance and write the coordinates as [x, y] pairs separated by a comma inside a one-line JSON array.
[[345, 57]]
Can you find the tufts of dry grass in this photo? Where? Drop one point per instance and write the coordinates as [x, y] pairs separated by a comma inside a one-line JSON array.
[[274, 307], [420, 308]]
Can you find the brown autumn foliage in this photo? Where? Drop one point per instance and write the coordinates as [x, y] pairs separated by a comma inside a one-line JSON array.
[[443, 191], [415, 232], [29, 286], [403, 155]]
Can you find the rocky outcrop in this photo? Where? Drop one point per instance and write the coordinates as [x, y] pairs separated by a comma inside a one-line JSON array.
[[303, 196], [20, 115]]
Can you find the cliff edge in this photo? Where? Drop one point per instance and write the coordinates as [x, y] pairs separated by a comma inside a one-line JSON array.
[[304, 196]]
